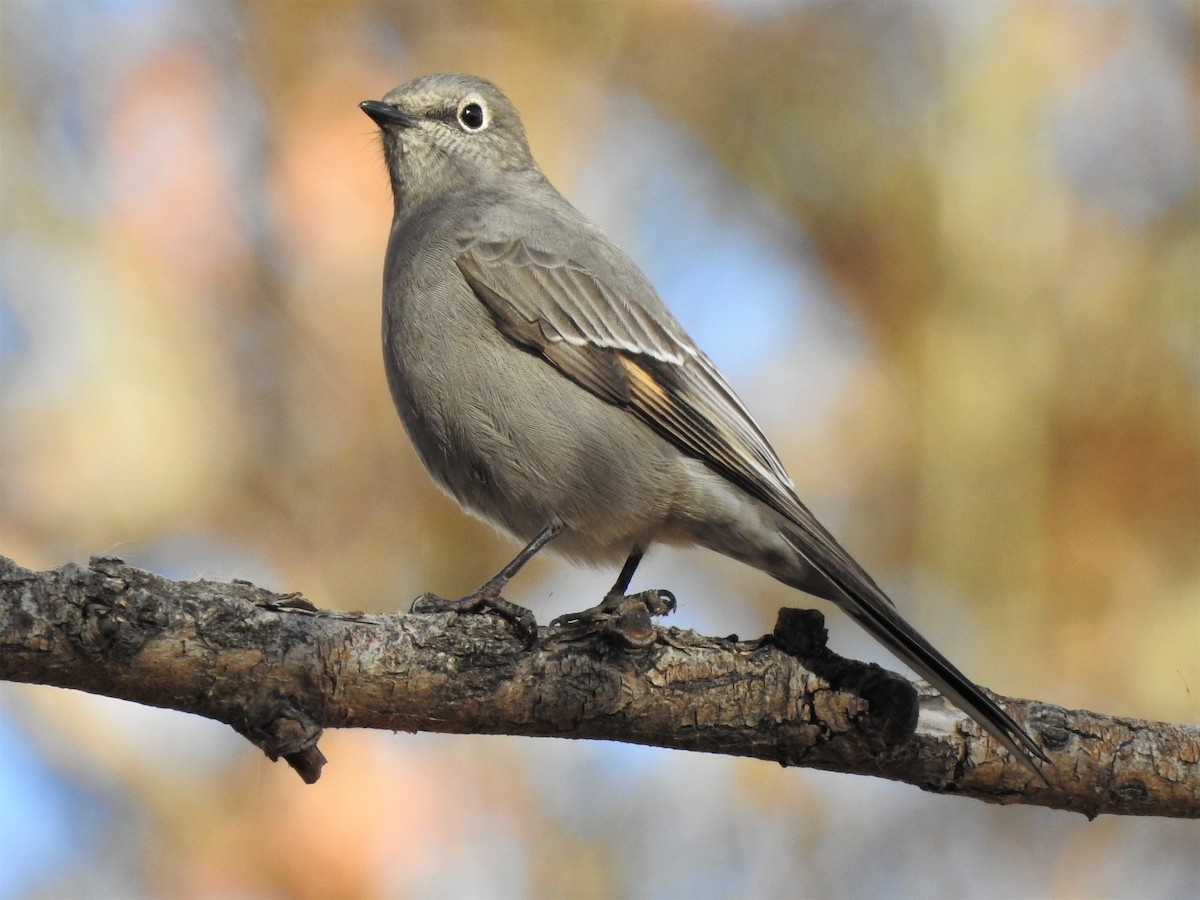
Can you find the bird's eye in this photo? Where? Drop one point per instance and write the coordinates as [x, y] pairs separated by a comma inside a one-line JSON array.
[[472, 117]]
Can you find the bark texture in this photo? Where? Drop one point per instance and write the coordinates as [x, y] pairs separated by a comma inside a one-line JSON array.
[[278, 671]]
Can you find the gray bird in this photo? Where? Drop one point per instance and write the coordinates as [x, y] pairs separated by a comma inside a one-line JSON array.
[[549, 390]]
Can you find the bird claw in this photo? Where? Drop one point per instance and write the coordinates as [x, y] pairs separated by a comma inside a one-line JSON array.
[[625, 618], [521, 620]]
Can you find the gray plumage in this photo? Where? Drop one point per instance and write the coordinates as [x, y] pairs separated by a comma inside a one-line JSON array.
[[545, 384]]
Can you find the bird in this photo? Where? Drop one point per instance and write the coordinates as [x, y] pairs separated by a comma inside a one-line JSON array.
[[548, 389]]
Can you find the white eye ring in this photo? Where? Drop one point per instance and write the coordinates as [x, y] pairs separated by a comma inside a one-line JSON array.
[[472, 116]]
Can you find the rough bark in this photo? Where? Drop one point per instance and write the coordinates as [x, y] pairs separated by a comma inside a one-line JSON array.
[[279, 671]]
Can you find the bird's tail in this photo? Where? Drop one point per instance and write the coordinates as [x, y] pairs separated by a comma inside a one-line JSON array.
[[886, 626], [855, 593]]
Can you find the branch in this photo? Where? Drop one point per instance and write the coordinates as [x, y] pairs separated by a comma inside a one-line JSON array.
[[278, 671]]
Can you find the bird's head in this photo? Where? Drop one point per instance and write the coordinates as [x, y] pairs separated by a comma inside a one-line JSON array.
[[446, 132]]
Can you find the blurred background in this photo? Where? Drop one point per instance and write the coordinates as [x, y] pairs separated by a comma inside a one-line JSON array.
[[949, 253]]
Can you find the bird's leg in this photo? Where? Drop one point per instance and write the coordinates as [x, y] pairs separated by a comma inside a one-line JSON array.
[[626, 576], [488, 595], [657, 602]]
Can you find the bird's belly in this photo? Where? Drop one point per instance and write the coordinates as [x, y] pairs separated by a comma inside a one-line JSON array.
[[520, 445]]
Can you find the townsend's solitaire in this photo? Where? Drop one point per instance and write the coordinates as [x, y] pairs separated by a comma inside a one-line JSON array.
[[548, 389]]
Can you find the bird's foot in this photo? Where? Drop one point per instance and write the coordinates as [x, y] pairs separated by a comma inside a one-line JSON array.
[[522, 621], [624, 618], [656, 602]]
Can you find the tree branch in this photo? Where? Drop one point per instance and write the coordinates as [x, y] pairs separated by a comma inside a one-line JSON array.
[[278, 671]]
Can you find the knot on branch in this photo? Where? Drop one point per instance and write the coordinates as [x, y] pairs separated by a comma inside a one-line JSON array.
[[114, 623], [280, 728], [892, 702]]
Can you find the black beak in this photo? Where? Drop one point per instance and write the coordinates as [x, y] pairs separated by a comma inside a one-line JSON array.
[[385, 114]]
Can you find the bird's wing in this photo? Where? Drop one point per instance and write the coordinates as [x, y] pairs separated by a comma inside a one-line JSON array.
[[611, 345]]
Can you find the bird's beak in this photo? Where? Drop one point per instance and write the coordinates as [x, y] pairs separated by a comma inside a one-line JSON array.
[[385, 114]]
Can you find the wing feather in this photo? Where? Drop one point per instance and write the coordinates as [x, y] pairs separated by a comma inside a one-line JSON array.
[[614, 347]]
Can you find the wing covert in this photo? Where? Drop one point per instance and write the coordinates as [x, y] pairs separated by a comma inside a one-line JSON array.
[[612, 346]]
